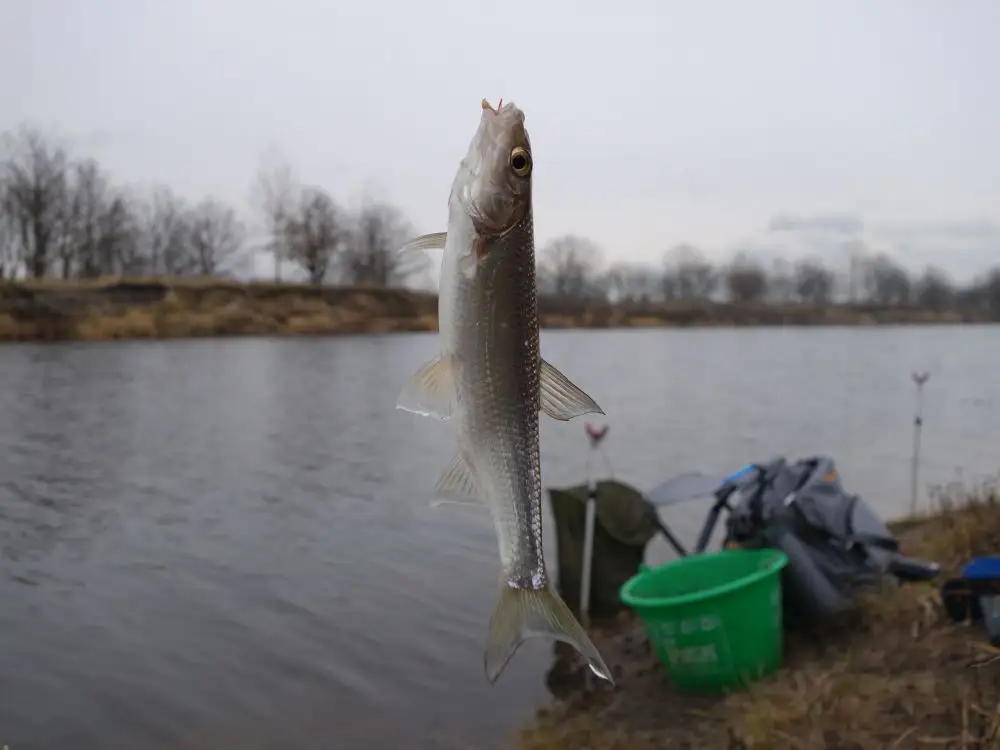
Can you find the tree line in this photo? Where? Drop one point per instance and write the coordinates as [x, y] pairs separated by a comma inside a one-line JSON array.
[[64, 217], [572, 266]]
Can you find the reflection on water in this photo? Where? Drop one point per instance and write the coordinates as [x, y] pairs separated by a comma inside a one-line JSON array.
[[227, 543]]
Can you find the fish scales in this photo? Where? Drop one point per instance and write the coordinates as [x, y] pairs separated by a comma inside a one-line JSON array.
[[502, 426]]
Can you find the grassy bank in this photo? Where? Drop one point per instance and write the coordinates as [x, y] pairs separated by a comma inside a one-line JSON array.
[[897, 673], [178, 308]]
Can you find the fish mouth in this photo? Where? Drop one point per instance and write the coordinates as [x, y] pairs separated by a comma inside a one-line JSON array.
[[500, 110], [501, 117]]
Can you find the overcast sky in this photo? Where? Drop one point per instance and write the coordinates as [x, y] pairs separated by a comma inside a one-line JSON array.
[[790, 126]]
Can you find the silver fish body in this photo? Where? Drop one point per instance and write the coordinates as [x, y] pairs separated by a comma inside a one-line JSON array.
[[491, 380]]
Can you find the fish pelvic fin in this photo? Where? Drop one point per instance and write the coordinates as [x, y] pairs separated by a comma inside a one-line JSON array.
[[434, 241], [560, 398], [475, 504], [523, 613], [430, 392]]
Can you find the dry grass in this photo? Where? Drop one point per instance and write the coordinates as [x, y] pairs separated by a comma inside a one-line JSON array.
[[109, 308], [102, 309], [896, 673]]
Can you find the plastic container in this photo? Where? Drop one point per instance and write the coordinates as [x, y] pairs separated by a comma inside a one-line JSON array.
[[980, 568], [987, 568], [714, 620]]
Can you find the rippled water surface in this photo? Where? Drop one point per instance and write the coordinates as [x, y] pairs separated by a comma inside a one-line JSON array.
[[227, 543]]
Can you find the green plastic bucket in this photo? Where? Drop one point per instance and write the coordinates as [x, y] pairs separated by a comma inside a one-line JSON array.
[[714, 620]]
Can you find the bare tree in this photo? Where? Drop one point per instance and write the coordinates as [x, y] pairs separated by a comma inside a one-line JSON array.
[[278, 195], [373, 251], [568, 265], [8, 238], [746, 280], [628, 282], [813, 282], [991, 290], [688, 275], [886, 282], [65, 218], [164, 233], [34, 173], [99, 235], [858, 260], [982, 294], [670, 286], [215, 234], [310, 234], [781, 281], [934, 290], [121, 237]]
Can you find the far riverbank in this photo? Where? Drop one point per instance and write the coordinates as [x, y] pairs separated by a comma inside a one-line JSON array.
[[202, 307]]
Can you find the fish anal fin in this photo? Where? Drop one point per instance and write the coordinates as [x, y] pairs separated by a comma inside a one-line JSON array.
[[560, 398], [431, 390], [523, 613]]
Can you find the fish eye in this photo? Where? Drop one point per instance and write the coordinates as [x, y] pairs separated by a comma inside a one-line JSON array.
[[520, 161]]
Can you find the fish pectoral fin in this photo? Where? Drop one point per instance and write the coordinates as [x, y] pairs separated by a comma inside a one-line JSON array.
[[521, 614], [457, 483], [431, 390], [434, 241], [560, 398]]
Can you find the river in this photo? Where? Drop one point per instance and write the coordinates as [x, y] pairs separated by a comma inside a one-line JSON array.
[[228, 544]]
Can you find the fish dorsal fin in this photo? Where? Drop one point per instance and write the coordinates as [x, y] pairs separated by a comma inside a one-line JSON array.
[[457, 483], [431, 390], [560, 398], [434, 241]]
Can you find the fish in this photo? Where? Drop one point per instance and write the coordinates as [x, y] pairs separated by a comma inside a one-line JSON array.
[[492, 383]]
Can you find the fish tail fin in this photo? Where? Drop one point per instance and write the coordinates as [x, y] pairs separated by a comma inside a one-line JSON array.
[[521, 614]]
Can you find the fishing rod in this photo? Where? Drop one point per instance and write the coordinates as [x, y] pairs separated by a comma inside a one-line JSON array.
[[919, 378], [596, 436]]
